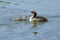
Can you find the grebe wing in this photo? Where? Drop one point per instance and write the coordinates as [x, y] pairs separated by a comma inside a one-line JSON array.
[[39, 17]]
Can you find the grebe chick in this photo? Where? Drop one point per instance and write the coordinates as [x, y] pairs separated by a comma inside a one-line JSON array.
[[36, 18], [17, 19], [20, 18], [24, 18]]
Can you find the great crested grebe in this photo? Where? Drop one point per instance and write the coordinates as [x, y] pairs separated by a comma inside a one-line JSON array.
[[36, 18]]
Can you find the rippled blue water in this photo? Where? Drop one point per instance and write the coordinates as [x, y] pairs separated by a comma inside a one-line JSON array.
[[20, 30]]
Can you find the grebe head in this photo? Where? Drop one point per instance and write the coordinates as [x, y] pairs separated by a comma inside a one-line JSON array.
[[33, 13], [24, 17]]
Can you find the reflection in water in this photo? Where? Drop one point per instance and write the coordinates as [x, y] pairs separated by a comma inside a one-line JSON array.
[[17, 4], [35, 33], [3, 24], [1, 1], [3, 7], [9, 2], [34, 24]]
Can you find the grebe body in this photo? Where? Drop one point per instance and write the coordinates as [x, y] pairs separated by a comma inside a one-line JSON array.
[[36, 18]]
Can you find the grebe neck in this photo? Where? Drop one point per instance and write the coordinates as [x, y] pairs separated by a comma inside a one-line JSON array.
[[31, 18]]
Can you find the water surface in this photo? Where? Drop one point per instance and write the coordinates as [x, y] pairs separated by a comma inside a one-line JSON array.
[[21, 30]]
